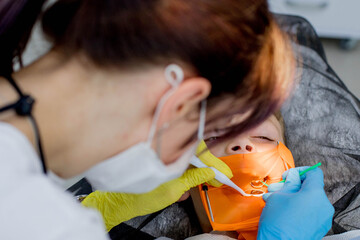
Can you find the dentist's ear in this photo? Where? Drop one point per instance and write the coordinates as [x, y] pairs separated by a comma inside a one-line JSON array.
[[186, 97]]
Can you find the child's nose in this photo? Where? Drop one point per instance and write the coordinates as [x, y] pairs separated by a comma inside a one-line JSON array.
[[240, 147]]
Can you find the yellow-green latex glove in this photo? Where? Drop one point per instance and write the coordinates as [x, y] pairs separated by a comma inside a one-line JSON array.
[[203, 153], [119, 207]]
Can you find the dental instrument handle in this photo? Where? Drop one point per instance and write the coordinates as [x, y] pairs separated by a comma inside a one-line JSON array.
[[220, 176], [306, 170], [195, 161], [205, 189]]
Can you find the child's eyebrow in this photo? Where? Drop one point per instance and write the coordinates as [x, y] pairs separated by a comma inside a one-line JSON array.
[[277, 127], [269, 130], [220, 130]]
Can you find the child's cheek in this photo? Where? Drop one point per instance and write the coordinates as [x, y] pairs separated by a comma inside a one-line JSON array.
[[219, 150]]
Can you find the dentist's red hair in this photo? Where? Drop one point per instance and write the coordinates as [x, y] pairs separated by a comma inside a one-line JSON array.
[[235, 44]]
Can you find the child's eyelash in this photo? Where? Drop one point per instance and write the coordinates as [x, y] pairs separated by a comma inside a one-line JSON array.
[[216, 134], [211, 139], [265, 138]]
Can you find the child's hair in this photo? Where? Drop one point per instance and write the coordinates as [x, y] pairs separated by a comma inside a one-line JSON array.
[[280, 118], [235, 44]]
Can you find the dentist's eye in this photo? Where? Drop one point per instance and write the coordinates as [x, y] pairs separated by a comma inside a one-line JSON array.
[[264, 138]]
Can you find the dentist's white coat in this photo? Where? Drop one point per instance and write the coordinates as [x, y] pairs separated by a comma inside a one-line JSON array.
[[33, 207]]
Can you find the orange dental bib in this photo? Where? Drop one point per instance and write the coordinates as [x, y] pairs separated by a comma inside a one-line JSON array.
[[235, 212]]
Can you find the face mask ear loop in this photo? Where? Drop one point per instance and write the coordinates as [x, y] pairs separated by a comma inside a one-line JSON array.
[[284, 162], [174, 75], [202, 120]]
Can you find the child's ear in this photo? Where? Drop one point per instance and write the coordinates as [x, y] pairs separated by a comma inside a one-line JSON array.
[[186, 97]]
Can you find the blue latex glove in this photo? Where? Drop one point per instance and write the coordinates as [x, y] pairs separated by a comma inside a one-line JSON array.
[[298, 210]]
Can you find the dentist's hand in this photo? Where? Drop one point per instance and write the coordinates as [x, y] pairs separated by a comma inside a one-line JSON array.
[[119, 207], [203, 153], [299, 210]]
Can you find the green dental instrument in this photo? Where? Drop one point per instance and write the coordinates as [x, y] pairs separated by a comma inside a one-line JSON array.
[[306, 170], [301, 173]]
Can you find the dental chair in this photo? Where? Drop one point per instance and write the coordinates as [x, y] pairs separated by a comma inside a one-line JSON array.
[[322, 120]]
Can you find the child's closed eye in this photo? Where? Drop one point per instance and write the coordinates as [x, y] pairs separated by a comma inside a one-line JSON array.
[[263, 138], [210, 139], [216, 134]]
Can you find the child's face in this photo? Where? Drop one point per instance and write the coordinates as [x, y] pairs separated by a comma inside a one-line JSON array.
[[262, 138]]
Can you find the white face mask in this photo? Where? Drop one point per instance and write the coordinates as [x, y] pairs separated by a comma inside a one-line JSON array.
[[139, 169]]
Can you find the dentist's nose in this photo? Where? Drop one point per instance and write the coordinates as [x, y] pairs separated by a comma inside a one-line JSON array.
[[240, 146]]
